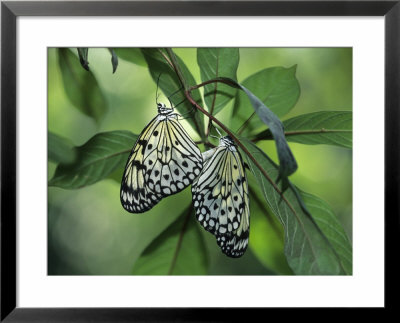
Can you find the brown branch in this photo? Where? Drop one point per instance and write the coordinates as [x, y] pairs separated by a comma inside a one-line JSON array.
[[243, 126], [175, 66], [214, 99], [195, 87], [165, 57]]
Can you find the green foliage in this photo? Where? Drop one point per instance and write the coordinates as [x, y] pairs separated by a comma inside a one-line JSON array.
[[214, 63], [287, 163], [324, 127], [83, 57], [133, 55], [267, 235], [114, 60], [179, 250], [291, 231], [161, 71], [276, 87], [60, 150], [95, 160], [83, 54], [81, 85], [308, 250], [97, 236], [331, 228]]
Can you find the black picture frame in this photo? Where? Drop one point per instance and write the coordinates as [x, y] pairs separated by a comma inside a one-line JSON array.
[[11, 10]]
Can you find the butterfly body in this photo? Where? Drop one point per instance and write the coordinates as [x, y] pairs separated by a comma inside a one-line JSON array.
[[220, 198], [163, 161]]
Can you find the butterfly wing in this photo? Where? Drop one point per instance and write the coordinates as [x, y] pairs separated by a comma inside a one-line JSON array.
[[173, 160], [164, 161], [220, 197], [136, 197]]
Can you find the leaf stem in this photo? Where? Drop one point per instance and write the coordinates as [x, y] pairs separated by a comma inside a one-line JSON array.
[[179, 244], [195, 87], [165, 57], [175, 66]]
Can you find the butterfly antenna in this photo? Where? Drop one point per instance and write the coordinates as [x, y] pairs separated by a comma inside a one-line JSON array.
[[218, 132], [158, 80]]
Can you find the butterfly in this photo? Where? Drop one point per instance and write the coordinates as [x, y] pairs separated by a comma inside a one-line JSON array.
[[220, 197], [163, 161]]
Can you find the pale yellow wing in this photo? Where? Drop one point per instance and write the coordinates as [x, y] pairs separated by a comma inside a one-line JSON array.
[[220, 197], [136, 197], [163, 161], [173, 161]]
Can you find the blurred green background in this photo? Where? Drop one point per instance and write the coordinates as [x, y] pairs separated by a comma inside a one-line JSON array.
[[89, 233]]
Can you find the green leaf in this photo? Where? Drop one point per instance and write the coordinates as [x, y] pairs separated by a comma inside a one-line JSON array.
[[81, 86], [324, 127], [179, 250], [114, 59], [309, 250], [169, 83], [277, 88], [95, 160], [213, 63], [133, 55], [266, 234], [83, 57], [331, 227], [60, 149]]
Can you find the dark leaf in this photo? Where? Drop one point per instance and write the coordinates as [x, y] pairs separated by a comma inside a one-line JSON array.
[[83, 57], [114, 59]]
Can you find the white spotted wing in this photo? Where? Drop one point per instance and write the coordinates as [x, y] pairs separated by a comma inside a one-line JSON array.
[[163, 161], [220, 197]]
